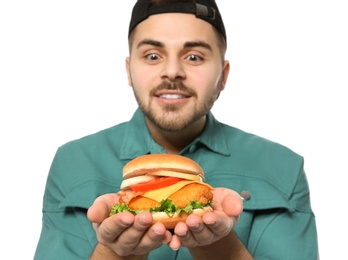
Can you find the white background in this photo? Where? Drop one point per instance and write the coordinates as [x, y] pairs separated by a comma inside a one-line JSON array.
[[62, 77]]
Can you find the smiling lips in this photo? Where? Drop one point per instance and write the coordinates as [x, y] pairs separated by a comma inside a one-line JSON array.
[[173, 91], [172, 96]]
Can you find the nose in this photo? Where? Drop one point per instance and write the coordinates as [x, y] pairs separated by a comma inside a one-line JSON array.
[[173, 69]]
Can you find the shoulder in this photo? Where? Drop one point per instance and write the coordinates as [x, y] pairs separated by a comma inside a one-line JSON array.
[[269, 170], [105, 135], [257, 147], [83, 168]]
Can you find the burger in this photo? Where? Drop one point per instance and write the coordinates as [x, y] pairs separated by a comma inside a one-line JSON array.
[[168, 186]]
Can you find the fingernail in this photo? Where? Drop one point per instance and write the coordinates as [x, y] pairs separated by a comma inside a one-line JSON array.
[[126, 222], [195, 226], [181, 234], [210, 222]]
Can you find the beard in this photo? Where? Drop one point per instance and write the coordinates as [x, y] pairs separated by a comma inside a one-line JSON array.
[[174, 118]]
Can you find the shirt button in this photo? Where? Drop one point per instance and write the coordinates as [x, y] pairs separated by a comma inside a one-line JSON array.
[[245, 195], [192, 148]]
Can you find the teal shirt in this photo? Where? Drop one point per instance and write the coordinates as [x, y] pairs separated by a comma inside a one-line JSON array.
[[277, 221]]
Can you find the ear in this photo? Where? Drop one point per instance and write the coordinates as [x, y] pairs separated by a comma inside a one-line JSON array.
[[225, 73], [128, 72]]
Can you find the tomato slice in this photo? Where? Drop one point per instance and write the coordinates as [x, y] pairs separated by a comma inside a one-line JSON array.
[[155, 184]]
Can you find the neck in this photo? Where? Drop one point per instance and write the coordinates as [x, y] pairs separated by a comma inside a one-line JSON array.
[[174, 142]]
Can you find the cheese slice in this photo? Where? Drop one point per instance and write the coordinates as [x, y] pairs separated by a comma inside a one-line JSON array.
[[164, 193]]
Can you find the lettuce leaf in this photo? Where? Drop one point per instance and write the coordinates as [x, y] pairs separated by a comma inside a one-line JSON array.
[[166, 206], [118, 208]]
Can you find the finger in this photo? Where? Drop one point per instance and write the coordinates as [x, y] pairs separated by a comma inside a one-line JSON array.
[[219, 224], [193, 232], [182, 237], [101, 207], [227, 200], [167, 237], [159, 233], [232, 205], [181, 229], [153, 238], [175, 243], [140, 239], [199, 231], [112, 227], [98, 212], [131, 236]]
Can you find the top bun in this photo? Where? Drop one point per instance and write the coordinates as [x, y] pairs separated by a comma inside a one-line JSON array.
[[169, 162]]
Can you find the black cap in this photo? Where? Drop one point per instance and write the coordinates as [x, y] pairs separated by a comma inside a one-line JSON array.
[[206, 10]]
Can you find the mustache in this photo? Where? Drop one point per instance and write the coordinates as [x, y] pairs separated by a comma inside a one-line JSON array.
[[176, 85]]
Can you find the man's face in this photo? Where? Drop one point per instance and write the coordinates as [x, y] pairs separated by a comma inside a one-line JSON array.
[[175, 69]]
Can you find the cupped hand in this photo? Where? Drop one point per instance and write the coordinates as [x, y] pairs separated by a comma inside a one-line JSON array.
[[201, 231], [124, 233]]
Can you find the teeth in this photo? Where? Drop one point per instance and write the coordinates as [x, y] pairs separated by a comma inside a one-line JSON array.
[[172, 96]]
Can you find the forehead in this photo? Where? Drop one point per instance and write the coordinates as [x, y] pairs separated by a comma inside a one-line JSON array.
[[174, 27]]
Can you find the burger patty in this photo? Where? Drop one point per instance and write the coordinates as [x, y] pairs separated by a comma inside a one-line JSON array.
[[142, 203], [181, 198], [193, 191]]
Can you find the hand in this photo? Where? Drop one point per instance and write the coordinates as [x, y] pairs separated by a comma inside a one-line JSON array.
[[124, 233], [201, 231]]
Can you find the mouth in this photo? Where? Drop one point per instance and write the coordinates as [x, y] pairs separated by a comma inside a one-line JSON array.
[[172, 96], [172, 92]]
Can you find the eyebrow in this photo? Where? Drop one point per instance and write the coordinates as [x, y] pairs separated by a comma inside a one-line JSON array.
[[150, 42], [187, 45], [197, 44]]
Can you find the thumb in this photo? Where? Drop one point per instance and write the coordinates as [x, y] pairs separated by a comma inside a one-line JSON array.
[[232, 204], [101, 208]]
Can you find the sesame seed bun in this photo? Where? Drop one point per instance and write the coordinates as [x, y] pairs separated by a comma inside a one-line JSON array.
[[146, 164]]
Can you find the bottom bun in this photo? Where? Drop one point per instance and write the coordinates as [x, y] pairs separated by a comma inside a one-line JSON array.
[[170, 222]]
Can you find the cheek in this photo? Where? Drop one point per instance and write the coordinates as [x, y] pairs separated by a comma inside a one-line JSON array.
[[139, 78], [209, 74], [142, 77], [207, 82]]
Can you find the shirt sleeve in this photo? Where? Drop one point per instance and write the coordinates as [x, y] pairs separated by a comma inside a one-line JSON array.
[[63, 236], [66, 232], [281, 233]]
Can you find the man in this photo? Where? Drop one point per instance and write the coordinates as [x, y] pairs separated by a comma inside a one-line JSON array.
[[177, 70]]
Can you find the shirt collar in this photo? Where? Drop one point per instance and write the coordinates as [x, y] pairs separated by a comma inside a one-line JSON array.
[[213, 136], [138, 141]]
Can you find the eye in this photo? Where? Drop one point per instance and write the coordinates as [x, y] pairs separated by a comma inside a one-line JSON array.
[[152, 57], [194, 58]]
